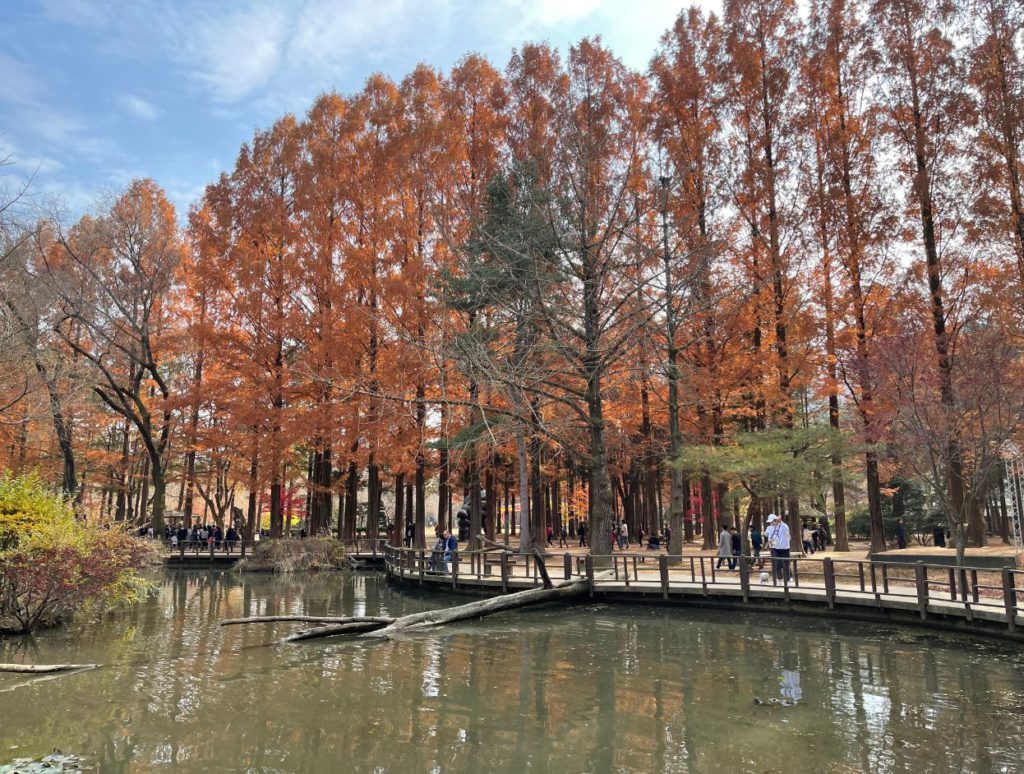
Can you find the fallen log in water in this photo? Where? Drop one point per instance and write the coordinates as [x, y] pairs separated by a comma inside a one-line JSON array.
[[353, 627], [478, 609], [430, 618], [384, 620], [42, 668], [385, 627]]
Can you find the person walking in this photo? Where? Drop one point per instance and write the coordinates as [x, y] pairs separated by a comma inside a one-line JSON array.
[[778, 542], [808, 541], [563, 537], [623, 536], [756, 540], [901, 534], [724, 548], [549, 533], [581, 530]]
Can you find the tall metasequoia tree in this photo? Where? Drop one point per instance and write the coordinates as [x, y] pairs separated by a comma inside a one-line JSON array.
[[322, 189], [997, 73], [820, 204], [837, 73], [474, 101], [266, 274], [762, 44], [689, 78], [927, 108], [422, 254], [125, 262]]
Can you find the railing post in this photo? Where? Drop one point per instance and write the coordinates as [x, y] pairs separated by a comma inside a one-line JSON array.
[[921, 580], [744, 578], [181, 549], [588, 563], [422, 561], [504, 572], [455, 569], [568, 566], [663, 572], [829, 572], [1009, 599], [243, 549]]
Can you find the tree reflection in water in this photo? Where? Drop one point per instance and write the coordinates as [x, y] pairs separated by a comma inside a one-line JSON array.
[[591, 688]]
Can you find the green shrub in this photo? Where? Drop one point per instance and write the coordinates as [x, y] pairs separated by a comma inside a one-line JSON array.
[[904, 500]]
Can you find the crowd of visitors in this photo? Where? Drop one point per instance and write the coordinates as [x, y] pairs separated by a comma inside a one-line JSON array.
[[202, 536]]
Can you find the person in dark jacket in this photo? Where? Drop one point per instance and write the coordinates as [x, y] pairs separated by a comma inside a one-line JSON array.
[[756, 539], [901, 534], [737, 547]]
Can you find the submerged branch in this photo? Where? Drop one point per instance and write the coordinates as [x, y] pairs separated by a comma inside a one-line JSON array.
[[307, 619], [42, 668]]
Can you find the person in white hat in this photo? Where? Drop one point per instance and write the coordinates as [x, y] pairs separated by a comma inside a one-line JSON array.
[[777, 535]]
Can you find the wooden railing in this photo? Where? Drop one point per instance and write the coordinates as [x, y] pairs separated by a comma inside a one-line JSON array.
[[365, 546], [927, 588], [233, 548]]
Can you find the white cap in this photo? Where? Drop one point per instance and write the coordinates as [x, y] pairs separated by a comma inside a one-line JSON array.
[[772, 517]]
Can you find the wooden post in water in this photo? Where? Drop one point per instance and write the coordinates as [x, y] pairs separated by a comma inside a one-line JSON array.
[[921, 579], [568, 566], [663, 572], [744, 578], [504, 573], [829, 571], [1009, 599], [588, 564]]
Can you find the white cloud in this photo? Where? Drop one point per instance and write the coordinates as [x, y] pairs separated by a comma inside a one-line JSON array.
[[27, 165], [549, 12], [139, 107], [236, 54]]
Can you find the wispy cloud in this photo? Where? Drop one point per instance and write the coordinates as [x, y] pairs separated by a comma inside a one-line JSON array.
[[139, 107], [191, 79], [235, 54]]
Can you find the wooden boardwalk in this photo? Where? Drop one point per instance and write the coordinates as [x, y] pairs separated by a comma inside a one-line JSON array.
[[198, 554], [934, 595]]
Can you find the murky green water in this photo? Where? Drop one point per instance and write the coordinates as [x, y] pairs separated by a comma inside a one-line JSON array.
[[592, 689]]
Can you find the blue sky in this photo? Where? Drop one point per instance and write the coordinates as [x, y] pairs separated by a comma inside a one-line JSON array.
[[94, 93]]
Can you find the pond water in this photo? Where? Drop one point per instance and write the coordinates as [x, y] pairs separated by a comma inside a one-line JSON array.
[[592, 688]]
